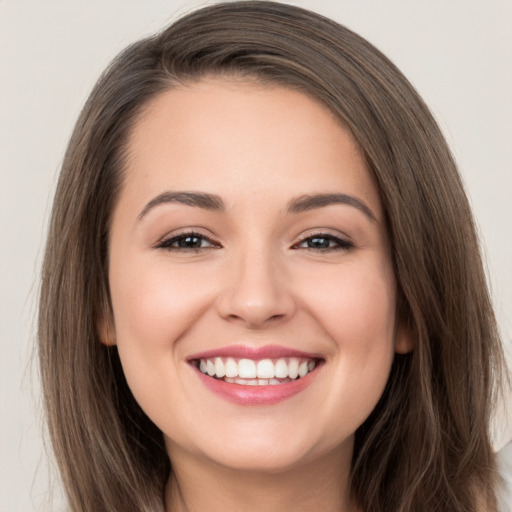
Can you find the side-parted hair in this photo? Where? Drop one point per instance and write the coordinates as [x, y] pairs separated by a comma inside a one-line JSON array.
[[426, 445]]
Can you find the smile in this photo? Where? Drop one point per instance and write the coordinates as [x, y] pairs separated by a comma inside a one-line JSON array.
[[256, 376], [262, 372]]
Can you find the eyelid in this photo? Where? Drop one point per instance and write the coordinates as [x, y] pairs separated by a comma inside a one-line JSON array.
[[343, 242], [166, 241]]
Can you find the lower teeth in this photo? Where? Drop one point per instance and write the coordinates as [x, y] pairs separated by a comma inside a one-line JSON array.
[[255, 382]]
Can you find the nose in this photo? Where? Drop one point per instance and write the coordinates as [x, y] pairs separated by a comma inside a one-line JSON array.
[[256, 292]]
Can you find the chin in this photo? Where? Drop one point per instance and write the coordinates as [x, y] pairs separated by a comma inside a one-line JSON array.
[[270, 461], [271, 455]]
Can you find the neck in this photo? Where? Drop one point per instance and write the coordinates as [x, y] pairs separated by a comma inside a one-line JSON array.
[[199, 485]]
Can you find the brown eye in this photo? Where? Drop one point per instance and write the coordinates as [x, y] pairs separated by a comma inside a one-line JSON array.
[[188, 242], [319, 243], [324, 242]]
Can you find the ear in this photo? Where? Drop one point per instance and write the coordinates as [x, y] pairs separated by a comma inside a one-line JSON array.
[[404, 338], [106, 329]]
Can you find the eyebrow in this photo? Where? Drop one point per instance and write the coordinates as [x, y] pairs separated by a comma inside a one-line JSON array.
[[198, 199], [310, 202], [298, 205]]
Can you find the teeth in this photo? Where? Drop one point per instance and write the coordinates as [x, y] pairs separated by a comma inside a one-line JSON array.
[[210, 368], [220, 371], [293, 368], [303, 369], [231, 367], [265, 369], [281, 369], [246, 369], [257, 373]]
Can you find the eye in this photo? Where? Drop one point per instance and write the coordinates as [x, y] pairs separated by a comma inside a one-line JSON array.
[[189, 241], [324, 242]]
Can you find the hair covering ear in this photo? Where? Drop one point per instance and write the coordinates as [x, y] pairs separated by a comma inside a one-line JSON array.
[[106, 332], [105, 328], [404, 338]]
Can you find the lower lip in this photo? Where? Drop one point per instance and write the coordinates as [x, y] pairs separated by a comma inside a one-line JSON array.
[[257, 395]]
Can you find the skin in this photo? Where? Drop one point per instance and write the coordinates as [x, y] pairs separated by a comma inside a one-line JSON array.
[[256, 283]]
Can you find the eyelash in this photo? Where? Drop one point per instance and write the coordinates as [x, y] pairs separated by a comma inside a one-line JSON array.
[[167, 243], [341, 244]]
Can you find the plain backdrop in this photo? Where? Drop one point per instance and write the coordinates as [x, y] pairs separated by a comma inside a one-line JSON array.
[[458, 54]]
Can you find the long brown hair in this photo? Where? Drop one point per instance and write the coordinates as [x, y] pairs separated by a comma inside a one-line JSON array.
[[426, 445]]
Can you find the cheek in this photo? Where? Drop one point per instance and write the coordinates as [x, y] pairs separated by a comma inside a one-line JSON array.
[[359, 318], [358, 310], [154, 307]]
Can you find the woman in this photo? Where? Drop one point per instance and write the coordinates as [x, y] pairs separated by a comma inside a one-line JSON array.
[[262, 286]]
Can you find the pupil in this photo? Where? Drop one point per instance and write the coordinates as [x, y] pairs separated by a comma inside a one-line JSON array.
[[319, 242], [190, 241]]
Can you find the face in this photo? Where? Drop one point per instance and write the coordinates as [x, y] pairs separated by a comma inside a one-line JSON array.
[[251, 281]]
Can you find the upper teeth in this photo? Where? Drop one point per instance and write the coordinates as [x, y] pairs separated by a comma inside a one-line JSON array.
[[283, 368]]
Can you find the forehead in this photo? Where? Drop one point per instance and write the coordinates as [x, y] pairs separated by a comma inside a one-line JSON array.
[[263, 138]]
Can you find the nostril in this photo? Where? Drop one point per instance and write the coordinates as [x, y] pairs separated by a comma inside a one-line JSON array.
[[269, 309], [255, 291]]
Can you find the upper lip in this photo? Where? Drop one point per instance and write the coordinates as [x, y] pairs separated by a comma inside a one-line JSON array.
[[250, 352]]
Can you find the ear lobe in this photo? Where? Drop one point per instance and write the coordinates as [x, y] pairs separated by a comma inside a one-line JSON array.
[[106, 331], [404, 338]]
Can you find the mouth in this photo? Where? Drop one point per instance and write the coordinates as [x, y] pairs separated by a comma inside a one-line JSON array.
[[260, 372], [256, 376]]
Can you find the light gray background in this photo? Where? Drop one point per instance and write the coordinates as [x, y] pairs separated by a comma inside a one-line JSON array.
[[458, 53]]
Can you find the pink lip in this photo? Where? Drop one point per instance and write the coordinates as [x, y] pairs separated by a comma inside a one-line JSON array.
[[244, 351], [256, 395]]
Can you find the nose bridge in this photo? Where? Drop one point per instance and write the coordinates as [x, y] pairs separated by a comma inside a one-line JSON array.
[[256, 290]]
